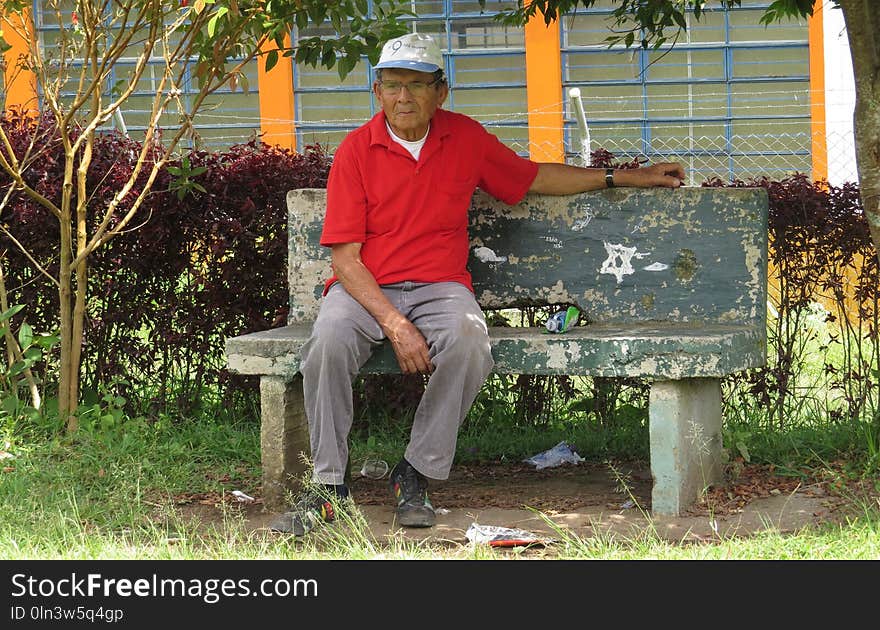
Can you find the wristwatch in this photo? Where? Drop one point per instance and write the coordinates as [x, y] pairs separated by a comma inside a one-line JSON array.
[[609, 178]]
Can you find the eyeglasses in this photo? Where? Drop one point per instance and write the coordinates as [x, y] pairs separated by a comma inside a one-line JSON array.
[[416, 88]]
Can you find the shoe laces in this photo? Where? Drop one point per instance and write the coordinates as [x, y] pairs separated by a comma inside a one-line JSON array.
[[310, 501], [413, 485]]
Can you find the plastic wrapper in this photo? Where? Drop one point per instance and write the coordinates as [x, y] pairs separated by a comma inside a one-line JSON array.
[[556, 456], [563, 320], [496, 536]]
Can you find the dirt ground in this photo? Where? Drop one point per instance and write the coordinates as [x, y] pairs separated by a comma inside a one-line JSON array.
[[587, 499]]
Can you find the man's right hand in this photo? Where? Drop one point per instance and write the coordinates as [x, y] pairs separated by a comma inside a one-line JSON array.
[[408, 342], [409, 346]]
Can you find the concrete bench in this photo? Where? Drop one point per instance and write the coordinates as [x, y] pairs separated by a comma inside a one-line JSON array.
[[671, 285]]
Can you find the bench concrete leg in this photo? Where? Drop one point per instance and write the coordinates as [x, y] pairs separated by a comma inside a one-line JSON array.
[[284, 439], [685, 436]]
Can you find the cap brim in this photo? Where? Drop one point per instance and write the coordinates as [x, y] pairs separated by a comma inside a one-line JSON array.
[[408, 65]]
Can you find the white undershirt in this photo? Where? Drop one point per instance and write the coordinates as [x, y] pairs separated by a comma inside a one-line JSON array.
[[415, 147]]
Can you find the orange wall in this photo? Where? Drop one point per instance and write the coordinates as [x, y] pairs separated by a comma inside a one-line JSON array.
[[544, 91], [21, 85], [817, 94], [276, 100]]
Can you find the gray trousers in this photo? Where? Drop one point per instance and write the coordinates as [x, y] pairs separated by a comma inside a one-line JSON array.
[[342, 339]]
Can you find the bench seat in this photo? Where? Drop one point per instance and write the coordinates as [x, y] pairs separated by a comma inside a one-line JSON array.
[[656, 350]]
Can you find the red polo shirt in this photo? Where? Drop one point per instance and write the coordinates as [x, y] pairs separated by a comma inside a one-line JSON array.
[[411, 217]]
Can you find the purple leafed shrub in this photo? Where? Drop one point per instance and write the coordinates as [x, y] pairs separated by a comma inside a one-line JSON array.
[[206, 256], [821, 253], [187, 272], [234, 279], [37, 144]]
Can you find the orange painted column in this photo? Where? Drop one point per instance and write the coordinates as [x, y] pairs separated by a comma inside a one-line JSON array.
[[544, 91], [20, 83], [276, 100], [817, 94]]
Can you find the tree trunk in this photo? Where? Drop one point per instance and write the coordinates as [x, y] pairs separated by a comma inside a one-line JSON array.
[[67, 375], [862, 18]]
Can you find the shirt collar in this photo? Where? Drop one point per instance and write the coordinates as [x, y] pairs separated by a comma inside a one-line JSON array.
[[379, 134]]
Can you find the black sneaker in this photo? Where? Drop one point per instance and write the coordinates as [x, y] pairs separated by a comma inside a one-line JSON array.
[[410, 490], [314, 506]]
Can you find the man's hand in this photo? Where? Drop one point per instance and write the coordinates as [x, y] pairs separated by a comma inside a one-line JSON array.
[[408, 342], [665, 174], [409, 346]]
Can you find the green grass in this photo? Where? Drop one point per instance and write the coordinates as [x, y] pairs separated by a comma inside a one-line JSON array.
[[858, 539], [109, 494], [113, 489]]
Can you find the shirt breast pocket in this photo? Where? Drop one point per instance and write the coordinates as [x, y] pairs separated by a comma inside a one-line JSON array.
[[455, 200]]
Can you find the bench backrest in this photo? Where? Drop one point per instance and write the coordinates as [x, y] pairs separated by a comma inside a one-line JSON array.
[[623, 255]]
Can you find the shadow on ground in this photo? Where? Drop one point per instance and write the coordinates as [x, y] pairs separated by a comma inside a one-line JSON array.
[[586, 499]]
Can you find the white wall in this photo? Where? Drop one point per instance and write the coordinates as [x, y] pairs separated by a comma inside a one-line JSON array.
[[839, 98]]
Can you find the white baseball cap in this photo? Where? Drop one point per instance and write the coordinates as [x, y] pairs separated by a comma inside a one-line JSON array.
[[414, 51]]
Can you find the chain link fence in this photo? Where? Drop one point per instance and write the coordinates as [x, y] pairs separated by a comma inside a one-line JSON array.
[[748, 156], [829, 155], [749, 146]]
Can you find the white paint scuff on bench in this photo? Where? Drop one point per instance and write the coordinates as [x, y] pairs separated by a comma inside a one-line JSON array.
[[619, 261], [657, 266], [486, 255]]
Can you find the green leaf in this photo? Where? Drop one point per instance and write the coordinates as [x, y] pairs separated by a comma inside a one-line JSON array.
[[47, 341], [10, 312], [302, 20], [317, 12], [17, 368], [215, 19], [107, 421], [212, 25], [312, 56], [271, 59], [678, 16], [10, 403], [346, 65], [768, 17], [25, 335], [744, 451]]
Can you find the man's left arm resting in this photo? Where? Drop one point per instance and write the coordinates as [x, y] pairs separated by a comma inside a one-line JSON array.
[[565, 179]]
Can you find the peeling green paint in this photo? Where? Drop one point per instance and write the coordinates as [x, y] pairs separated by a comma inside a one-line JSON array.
[[550, 250], [683, 304], [685, 265]]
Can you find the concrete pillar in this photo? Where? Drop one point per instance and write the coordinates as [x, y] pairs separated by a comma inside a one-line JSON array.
[[685, 436], [284, 439]]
